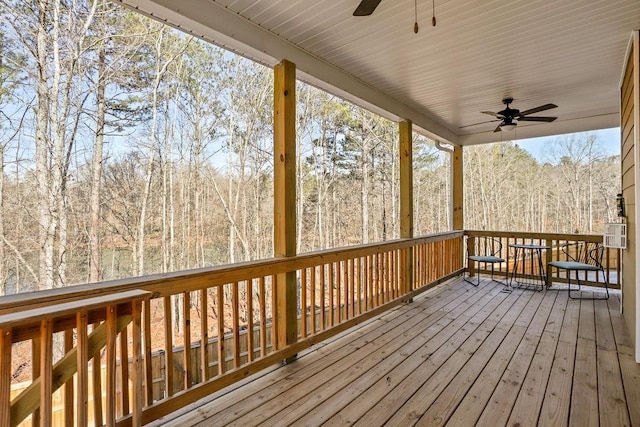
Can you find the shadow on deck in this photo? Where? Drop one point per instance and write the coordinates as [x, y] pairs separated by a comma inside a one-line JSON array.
[[457, 355]]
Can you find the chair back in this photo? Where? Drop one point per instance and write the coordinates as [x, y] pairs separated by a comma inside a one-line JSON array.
[[585, 252], [483, 246]]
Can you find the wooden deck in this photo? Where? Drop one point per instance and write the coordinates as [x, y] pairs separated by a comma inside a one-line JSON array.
[[456, 356]]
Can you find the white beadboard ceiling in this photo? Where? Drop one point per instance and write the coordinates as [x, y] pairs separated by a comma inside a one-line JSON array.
[[566, 52]]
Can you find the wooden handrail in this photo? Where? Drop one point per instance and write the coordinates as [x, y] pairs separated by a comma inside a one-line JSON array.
[[194, 279]]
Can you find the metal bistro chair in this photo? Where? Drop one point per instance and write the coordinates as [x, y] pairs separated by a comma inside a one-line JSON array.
[[582, 256], [484, 250]]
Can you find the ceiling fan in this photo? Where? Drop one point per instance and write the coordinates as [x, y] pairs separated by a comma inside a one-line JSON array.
[[509, 117]]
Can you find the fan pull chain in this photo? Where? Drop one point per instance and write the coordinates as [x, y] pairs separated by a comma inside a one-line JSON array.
[[433, 19], [415, 25]]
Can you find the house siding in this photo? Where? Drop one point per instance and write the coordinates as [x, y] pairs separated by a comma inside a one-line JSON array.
[[629, 155]]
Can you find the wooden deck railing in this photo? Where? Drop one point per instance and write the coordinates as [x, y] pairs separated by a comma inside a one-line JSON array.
[[110, 315], [194, 332], [611, 258]]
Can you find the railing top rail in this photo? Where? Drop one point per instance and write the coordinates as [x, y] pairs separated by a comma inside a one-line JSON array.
[[194, 279], [28, 317], [533, 235]]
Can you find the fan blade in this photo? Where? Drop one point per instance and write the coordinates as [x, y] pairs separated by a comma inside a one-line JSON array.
[[537, 119], [538, 109], [366, 7], [479, 123], [498, 128], [491, 113]]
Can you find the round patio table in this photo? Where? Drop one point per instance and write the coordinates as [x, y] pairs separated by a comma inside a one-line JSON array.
[[528, 255]]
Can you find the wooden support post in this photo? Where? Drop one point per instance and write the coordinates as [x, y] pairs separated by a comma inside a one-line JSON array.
[[457, 189], [457, 196], [406, 201], [284, 211]]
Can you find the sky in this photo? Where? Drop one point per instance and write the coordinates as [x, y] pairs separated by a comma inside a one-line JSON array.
[[609, 142]]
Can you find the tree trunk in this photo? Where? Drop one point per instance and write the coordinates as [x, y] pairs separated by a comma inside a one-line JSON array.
[[3, 259], [364, 191], [96, 175], [46, 227]]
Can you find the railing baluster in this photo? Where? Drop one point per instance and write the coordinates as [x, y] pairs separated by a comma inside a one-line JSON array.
[[204, 335], [355, 278], [313, 299], [331, 294], [82, 356], [323, 324], [248, 289], [370, 282], [274, 318], [35, 373], [348, 285], [148, 357], [112, 313], [343, 290], [384, 268], [46, 373], [186, 341], [263, 318], [235, 313], [124, 371], [221, 350], [303, 303], [96, 373], [68, 386], [137, 369], [168, 346], [338, 286], [379, 279], [5, 377], [392, 280]]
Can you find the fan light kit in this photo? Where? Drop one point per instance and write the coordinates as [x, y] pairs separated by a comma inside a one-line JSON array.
[[509, 117], [508, 126]]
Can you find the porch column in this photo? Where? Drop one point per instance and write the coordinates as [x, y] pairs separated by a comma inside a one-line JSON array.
[[457, 189], [406, 199], [284, 195]]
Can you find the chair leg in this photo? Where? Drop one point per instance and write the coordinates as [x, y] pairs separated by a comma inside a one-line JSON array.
[[606, 286], [505, 283], [569, 283], [477, 274]]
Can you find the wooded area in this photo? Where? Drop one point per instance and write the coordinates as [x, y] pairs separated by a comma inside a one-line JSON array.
[[129, 148]]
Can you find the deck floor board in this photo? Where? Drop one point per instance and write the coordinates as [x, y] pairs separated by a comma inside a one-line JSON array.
[[456, 356]]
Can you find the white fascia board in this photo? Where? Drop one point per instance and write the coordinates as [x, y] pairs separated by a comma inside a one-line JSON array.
[[214, 23], [559, 127]]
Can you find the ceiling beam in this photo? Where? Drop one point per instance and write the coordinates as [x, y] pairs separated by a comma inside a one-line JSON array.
[[212, 22]]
